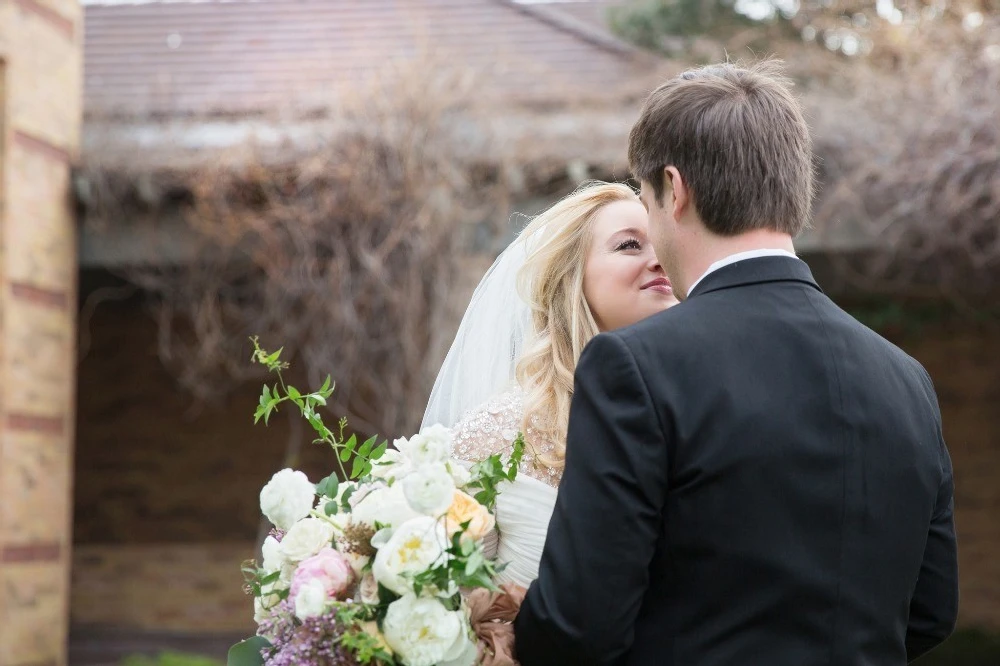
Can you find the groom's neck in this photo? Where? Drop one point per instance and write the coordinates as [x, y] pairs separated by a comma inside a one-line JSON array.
[[707, 248]]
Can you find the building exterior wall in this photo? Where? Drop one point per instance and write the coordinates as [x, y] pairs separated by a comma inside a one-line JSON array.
[[167, 494], [40, 118]]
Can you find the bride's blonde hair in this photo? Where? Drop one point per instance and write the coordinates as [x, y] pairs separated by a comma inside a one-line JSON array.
[[551, 281]]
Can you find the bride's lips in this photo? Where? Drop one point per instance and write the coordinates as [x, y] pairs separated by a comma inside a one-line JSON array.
[[661, 285]]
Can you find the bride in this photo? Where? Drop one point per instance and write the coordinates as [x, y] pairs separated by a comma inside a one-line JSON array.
[[583, 266]]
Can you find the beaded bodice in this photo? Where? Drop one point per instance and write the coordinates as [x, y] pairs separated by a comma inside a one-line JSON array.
[[491, 428]]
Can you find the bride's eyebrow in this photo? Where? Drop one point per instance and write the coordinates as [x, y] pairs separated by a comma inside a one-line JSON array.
[[631, 231]]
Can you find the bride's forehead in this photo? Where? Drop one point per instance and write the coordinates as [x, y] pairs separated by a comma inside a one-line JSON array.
[[620, 217]]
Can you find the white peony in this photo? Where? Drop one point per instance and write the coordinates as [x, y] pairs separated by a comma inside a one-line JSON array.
[[432, 445], [423, 632], [287, 498], [306, 538], [414, 547], [464, 650], [386, 506], [429, 489], [311, 599], [271, 551]]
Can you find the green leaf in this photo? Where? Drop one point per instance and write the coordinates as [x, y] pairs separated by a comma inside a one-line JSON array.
[[379, 452], [357, 468], [328, 486], [345, 500], [326, 384], [351, 443], [248, 652], [474, 562], [269, 578], [366, 448], [331, 508], [293, 393], [273, 358]]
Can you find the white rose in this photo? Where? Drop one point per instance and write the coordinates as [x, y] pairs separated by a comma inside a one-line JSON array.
[[267, 603], [432, 445], [265, 608], [368, 589], [306, 538], [273, 559], [429, 489], [415, 546], [460, 474], [287, 498], [259, 612], [311, 599], [422, 631], [387, 506], [393, 465]]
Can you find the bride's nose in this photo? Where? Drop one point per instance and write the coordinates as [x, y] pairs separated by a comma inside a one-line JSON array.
[[654, 264]]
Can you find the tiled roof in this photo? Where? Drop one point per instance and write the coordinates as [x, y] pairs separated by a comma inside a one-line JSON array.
[[197, 58]]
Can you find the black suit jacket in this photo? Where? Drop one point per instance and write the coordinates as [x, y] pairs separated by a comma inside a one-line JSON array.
[[752, 478]]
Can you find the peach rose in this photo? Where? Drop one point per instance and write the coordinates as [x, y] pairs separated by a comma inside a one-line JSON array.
[[465, 508]]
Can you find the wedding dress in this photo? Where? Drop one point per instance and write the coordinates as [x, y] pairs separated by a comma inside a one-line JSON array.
[[523, 507], [477, 396]]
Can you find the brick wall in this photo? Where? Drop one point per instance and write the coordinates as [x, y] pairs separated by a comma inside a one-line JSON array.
[[161, 486], [40, 98]]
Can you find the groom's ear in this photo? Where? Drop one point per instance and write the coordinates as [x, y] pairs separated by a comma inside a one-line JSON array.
[[678, 196]]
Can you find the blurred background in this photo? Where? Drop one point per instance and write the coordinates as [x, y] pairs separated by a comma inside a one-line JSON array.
[[335, 176]]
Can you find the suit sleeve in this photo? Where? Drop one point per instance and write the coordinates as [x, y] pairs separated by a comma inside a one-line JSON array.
[[594, 570], [934, 605]]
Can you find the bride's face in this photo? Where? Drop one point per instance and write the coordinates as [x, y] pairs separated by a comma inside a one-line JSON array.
[[623, 281]]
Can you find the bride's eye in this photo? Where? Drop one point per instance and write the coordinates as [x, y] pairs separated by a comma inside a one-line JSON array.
[[630, 244]]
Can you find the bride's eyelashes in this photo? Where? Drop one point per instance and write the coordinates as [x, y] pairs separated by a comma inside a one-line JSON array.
[[630, 244]]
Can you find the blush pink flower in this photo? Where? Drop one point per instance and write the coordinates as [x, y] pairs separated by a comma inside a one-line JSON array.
[[328, 567]]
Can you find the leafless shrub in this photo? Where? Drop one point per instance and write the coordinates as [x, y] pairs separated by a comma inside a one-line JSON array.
[[344, 251], [911, 154]]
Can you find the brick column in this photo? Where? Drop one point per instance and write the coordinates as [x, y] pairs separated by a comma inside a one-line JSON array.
[[40, 118]]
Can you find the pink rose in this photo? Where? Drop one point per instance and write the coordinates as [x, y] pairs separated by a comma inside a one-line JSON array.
[[328, 567]]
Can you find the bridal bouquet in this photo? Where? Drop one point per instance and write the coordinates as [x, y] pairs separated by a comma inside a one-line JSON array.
[[369, 566]]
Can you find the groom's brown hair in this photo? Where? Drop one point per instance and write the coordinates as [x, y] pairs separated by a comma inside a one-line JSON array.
[[738, 137]]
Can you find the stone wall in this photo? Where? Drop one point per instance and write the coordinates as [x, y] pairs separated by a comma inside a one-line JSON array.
[[166, 494], [40, 116]]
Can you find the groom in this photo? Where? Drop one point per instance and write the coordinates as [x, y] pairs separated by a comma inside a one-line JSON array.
[[752, 478]]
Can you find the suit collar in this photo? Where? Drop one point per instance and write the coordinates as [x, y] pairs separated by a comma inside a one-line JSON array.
[[756, 271]]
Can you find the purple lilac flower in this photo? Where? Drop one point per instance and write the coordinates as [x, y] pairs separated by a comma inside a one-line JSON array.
[[310, 643]]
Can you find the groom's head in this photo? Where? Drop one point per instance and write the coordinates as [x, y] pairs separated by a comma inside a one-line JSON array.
[[725, 147]]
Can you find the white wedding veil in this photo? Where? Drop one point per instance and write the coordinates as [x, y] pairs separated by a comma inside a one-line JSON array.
[[481, 361]]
